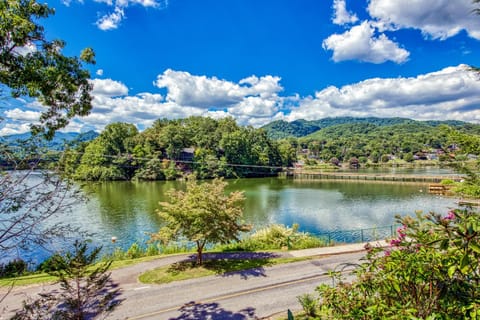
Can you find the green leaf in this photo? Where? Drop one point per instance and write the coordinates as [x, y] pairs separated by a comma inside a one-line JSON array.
[[451, 270], [475, 247], [396, 286], [464, 264]]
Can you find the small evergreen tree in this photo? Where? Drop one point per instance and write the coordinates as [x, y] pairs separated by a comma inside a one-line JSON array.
[[86, 290]]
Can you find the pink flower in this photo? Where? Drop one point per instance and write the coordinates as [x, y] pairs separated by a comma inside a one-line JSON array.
[[450, 216], [395, 242], [402, 232]]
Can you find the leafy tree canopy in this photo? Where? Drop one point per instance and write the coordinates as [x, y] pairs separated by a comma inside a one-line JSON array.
[[31, 65], [203, 213]]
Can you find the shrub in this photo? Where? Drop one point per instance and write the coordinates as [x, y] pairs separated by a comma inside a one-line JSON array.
[[447, 182], [49, 265], [309, 304], [430, 271], [276, 237], [13, 268], [152, 250], [135, 251]]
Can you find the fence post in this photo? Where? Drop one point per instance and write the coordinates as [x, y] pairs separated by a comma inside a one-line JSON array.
[[288, 242], [391, 230], [361, 232]]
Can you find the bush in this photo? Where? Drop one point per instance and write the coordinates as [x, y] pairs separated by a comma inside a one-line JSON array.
[[50, 264], [276, 237], [152, 250], [430, 271], [309, 304], [447, 182], [135, 251], [13, 268]]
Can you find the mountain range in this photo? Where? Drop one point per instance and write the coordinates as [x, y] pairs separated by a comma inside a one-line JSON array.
[[59, 141], [299, 128]]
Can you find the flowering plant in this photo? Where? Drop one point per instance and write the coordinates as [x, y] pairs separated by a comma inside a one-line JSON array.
[[431, 270]]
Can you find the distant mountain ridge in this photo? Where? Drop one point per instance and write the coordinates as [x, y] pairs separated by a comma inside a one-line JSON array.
[[299, 128], [59, 141]]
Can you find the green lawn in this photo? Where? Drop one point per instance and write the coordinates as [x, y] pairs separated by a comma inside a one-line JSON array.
[[44, 277], [188, 270], [175, 272]]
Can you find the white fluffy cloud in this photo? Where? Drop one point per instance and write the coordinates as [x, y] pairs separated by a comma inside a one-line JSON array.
[[367, 42], [451, 93], [108, 87], [203, 92], [22, 115], [438, 19], [341, 15], [112, 20], [361, 43], [14, 128]]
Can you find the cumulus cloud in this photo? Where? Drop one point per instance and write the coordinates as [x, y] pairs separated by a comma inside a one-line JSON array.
[[341, 15], [108, 2], [112, 20], [451, 93], [367, 42], [108, 87], [26, 49], [361, 43], [203, 92], [438, 19], [23, 115], [99, 72], [14, 128]]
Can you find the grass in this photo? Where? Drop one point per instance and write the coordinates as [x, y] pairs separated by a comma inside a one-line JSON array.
[[180, 271], [27, 280], [43, 277], [188, 270]]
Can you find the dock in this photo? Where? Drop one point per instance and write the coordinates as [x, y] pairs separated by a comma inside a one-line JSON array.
[[438, 188], [296, 174]]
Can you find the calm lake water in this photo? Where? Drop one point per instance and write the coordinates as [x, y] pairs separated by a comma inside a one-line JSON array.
[[126, 210]]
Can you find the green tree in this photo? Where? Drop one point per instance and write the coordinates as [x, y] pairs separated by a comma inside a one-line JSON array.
[[31, 65], [86, 289], [203, 213], [152, 170]]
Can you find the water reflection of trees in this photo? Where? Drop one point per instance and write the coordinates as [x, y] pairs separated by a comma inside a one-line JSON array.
[[129, 208]]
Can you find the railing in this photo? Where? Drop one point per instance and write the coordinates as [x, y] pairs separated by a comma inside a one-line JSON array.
[[356, 236]]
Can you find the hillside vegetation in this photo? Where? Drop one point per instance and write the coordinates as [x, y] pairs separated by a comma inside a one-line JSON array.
[[171, 148], [299, 128], [221, 148], [408, 141]]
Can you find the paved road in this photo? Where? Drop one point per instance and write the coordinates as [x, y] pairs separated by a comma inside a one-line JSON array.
[[251, 294]]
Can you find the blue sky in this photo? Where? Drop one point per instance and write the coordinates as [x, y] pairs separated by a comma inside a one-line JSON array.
[[265, 60]]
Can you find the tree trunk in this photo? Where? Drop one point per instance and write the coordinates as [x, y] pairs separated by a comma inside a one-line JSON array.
[[200, 246]]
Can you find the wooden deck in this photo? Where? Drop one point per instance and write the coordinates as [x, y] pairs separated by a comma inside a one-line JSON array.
[[371, 177]]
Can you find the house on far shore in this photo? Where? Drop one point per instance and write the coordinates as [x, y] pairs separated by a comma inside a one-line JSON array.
[[187, 154]]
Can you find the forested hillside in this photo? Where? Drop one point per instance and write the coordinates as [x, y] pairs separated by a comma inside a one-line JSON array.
[[171, 148], [408, 141], [59, 141], [300, 128]]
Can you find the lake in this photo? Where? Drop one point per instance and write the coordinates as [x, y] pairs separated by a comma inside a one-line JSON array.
[[126, 210]]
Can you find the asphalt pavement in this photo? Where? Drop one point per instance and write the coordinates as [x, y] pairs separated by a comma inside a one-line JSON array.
[[250, 294]]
